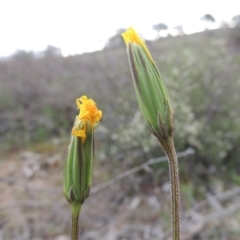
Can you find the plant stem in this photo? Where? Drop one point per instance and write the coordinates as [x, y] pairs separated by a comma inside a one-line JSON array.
[[169, 148], [75, 216]]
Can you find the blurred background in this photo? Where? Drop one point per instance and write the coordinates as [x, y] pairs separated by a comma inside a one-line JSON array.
[[52, 52]]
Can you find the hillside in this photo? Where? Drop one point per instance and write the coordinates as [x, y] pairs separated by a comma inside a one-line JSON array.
[[37, 109]]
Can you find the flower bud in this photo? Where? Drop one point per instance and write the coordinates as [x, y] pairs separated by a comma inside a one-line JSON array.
[[79, 163], [152, 95]]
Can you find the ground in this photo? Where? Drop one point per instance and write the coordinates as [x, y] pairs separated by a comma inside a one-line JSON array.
[[32, 205]]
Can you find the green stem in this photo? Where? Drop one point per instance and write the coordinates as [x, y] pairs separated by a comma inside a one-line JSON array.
[[75, 216], [169, 148]]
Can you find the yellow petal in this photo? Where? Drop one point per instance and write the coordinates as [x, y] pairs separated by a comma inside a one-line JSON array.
[[131, 36], [88, 111], [78, 133]]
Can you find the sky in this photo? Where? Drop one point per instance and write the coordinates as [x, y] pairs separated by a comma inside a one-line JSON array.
[[77, 26]]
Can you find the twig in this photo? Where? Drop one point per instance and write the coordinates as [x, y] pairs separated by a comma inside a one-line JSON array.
[[14, 181], [19, 183], [220, 196], [94, 189], [216, 215], [137, 169], [194, 227], [213, 201], [28, 204]]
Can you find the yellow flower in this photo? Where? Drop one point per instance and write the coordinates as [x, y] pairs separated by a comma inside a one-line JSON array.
[[130, 36], [88, 111]]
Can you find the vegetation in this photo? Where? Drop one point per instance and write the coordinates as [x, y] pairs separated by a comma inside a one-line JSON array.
[[202, 73]]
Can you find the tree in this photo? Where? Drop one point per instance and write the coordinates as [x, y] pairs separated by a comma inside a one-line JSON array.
[[52, 51], [116, 40], [208, 18], [160, 27], [179, 30]]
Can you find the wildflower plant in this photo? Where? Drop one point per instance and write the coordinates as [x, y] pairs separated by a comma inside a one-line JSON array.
[[155, 105], [79, 163]]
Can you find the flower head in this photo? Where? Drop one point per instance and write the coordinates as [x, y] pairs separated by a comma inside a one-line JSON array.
[[88, 111]]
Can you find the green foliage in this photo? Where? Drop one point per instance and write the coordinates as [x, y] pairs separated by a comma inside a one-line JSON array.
[[203, 79]]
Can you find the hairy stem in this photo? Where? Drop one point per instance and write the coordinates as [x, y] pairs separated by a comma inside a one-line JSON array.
[[169, 148], [75, 216]]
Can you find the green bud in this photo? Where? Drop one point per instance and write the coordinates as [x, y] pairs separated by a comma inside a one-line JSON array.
[[79, 163], [152, 95], [79, 166]]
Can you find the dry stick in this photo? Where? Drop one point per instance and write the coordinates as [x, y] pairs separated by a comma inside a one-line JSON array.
[[199, 225], [169, 148], [26, 204], [104, 185], [131, 171], [220, 196]]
